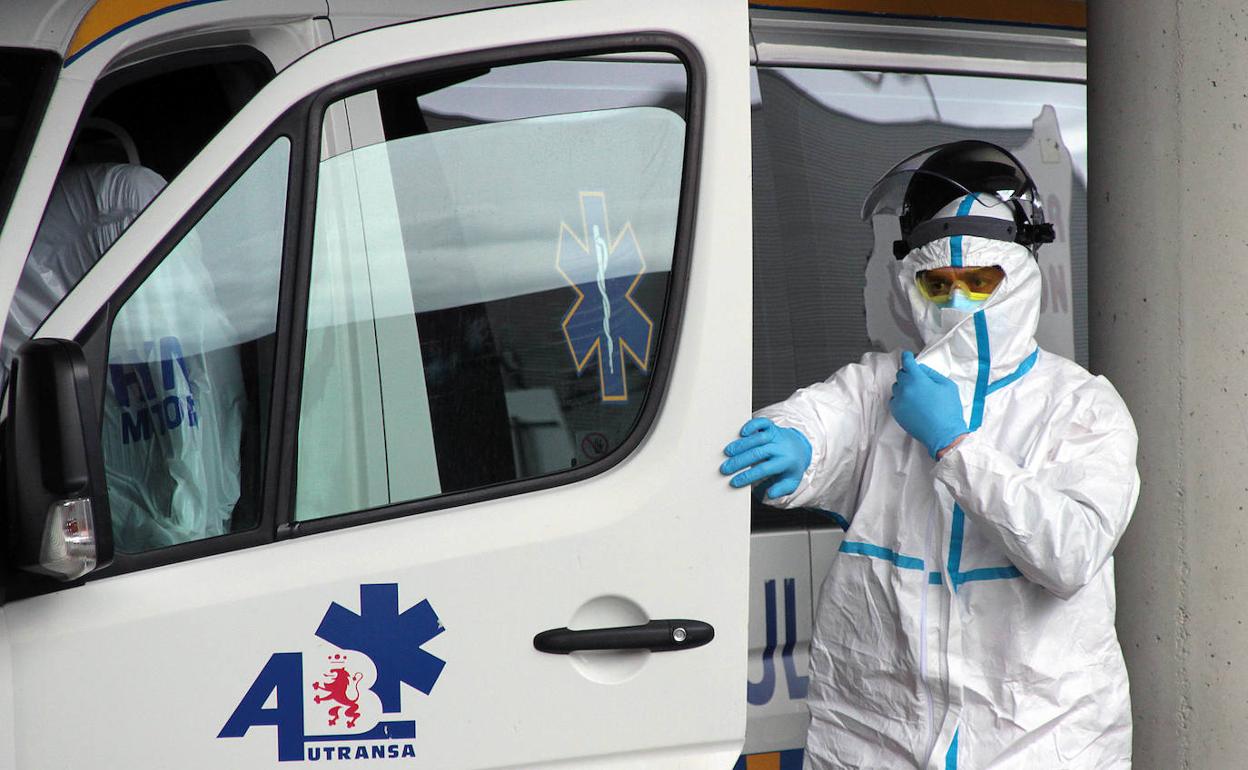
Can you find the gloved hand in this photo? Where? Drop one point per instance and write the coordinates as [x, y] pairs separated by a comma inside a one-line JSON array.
[[927, 405], [767, 450]]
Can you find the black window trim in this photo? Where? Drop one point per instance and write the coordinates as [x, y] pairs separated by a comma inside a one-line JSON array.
[[94, 339], [41, 99], [669, 334], [96, 334], [111, 83], [301, 125]]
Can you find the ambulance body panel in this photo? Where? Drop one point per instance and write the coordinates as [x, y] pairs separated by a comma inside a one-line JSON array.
[[432, 619], [222, 620]]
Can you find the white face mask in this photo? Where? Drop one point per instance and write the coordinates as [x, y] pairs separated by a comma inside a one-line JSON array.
[[955, 310], [948, 317]]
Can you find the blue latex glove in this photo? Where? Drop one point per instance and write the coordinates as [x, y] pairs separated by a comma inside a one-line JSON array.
[[768, 451], [927, 405]]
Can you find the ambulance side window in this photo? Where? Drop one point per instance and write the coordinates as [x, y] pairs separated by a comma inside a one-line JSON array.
[[190, 363], [490, 269]]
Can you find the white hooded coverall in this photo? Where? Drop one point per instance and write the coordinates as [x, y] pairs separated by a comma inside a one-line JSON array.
[[968, 620], [174, 405]]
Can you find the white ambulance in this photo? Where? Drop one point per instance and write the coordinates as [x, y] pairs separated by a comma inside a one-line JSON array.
[[367, 368]]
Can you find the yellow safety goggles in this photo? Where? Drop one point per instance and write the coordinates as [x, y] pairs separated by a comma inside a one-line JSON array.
[[978, 283]]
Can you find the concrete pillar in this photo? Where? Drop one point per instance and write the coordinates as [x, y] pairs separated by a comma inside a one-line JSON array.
[[1168, 299]]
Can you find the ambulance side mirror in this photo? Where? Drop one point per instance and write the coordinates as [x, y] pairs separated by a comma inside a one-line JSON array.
[[56, 499]]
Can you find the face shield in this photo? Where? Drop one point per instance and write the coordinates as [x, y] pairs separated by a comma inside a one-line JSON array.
[[916, 189]]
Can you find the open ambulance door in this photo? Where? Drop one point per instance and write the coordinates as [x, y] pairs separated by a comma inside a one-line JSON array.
[[409, 394]]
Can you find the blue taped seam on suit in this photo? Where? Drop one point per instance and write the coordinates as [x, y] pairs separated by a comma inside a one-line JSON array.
[[982, 388], [955, 546], [956, 576], [879, 552], [985, 369], [837, 518], [934, 579], [1017, 374], [955, 243], [989, 573], [951, 757]]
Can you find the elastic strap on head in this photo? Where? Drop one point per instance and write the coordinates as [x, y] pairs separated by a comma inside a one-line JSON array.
[[935, 229], [983, 227]]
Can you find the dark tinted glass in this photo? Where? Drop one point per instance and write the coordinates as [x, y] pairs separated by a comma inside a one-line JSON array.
[[24, 81]]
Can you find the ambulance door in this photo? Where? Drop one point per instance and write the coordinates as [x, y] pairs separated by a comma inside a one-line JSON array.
[[412, 389]]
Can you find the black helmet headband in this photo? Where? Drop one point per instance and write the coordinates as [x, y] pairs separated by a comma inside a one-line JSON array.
[[919, 187]]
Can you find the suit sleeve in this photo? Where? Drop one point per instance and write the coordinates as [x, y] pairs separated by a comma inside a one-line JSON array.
[[1060, 520], [835, 417]]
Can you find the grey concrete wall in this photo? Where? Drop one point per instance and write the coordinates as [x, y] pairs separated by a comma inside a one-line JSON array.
[[1168, 275]]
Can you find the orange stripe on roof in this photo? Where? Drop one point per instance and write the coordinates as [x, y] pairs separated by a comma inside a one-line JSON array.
[[1060, 13], [107, 15]]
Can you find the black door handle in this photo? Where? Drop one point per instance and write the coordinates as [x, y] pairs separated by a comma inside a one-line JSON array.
[[655, 636]]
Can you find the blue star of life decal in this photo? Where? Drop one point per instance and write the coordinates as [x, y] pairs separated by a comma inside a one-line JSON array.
[[392, 639], [605, 324]]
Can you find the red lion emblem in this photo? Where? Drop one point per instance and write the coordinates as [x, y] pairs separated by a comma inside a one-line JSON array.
[[342, 688]]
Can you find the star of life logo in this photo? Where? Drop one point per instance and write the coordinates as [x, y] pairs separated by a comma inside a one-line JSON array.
[[342, 697], [605, 324]]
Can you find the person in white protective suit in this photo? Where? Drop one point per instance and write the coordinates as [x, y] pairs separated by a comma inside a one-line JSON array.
[[968, 620], [89, 208], [175, 396]]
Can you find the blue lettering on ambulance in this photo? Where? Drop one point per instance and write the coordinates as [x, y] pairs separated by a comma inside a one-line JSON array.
[[375, 751], [135, 427], [123, 376], [151, 414], [283, 674], [389, 638], [172, 412], [761, 692]]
